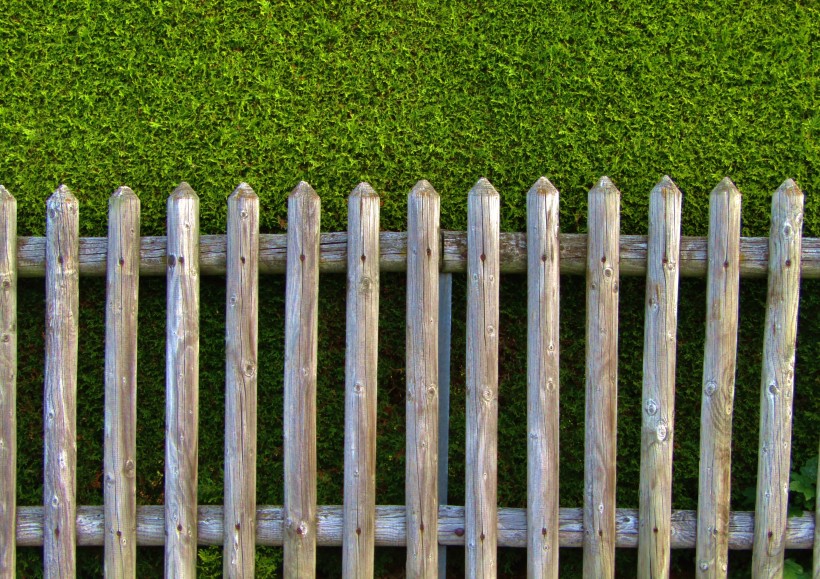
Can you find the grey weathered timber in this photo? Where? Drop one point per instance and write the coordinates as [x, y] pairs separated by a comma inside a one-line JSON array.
[[391, 527], [718, 381], [816, 559], [777, 383], [658, 402], [604, 220], [120, 440], [421, 471], [542, 380], [182, 383], [754, 254], [241, 346], [483, 223], [8, 382], [361, 356], [60, 404], [301, 352]]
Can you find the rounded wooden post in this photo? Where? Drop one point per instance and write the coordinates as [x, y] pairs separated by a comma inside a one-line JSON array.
[[301, 354], [182, 384], [543, 257], [241, 321], [361, 355], [481, 492], [600, 445], [60, 408], [120, 444]]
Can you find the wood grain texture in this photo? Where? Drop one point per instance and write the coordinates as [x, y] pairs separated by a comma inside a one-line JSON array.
[[421, 474], [241, 348], [601, 379], [8, 382], [391, 527], [816, 558], [60, 405], [301, 355], [718, 381], [542, 379], [182, 384], [120, 439], [658, 403], [361, 357], [777, 383], [481, 492]]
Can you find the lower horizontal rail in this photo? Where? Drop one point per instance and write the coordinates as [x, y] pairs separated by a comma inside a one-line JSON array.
[[390, 527]]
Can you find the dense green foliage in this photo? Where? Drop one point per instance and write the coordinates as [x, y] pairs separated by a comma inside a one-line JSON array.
[[147, 94]]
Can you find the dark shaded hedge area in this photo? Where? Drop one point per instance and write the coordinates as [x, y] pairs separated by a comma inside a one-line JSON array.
[[101, 94]]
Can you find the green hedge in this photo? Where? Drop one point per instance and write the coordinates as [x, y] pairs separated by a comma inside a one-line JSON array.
[[148, 94]]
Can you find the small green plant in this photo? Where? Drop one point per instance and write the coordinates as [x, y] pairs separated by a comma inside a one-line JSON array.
[[803, 487], [793, 570]]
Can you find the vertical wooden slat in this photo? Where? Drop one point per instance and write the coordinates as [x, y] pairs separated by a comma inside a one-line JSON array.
[[8, 382], [241, 321], [712, 543], [777, 384], [601, 379], [301, 352], [358, 540], [481, 510], [421, 476], [182, 384], [658, 403], [816, 560], [120, 452], [60, 408], [542, 379]]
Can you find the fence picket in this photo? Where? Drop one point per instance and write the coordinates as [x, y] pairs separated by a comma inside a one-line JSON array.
[[60, 405], [542, 379], [604, 219], [659, 357], [421, 474], [8, 383], [481, 510], [360, 382], [722, 293], [777, 384], [301, 352], [182, 384], [241, 321], [120, 444]]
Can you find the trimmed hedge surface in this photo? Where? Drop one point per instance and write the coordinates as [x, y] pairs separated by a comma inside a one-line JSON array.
[[148, 94]]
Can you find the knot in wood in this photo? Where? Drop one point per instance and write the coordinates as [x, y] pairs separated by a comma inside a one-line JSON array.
[[710, 388]]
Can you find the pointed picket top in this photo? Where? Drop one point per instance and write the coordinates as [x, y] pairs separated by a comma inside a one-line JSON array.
[[666, 187], [243, 191], [725, 186], [184, 191], [789, 188], [123, 191], [363, 190], [605, 186], [483, 188], [423, 189], [62, 195], [5, 195], [303, 189], [542, 188]]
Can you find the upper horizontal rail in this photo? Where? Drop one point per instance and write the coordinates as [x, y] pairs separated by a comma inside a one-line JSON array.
[[754, 254]]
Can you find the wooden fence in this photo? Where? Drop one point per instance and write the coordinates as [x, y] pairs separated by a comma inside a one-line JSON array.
[[425, 253]]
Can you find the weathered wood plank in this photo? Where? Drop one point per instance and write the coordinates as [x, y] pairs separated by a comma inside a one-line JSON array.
[[241, 347], [391, 527], [60, 407], [8, 382], [182, 384], [718, 381], [301, 354], [481, 510], [421, 471], [754, 254], [777, 384], [600, 442], [120, 440], [361, 357], [542, 379], [659, 357], [816, 559]]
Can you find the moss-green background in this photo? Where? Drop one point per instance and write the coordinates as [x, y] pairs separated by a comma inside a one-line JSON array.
[[98, 94]]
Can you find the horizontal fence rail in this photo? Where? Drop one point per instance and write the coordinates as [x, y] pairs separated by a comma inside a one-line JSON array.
[[425, 252]]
